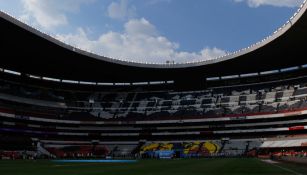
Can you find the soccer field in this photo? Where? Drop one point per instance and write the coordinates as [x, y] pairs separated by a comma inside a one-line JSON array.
[[152, 167]]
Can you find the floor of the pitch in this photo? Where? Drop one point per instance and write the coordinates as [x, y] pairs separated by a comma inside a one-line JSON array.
[[94, 161], [279, 165], [225, 166]]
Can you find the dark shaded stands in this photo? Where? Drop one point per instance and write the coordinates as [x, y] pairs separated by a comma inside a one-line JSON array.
[[148, 104], [70, 122]]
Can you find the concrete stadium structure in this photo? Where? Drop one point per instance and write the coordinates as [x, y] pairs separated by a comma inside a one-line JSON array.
[[60, 101]]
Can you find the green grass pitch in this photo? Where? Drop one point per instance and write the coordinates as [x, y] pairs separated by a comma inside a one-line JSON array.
[[153, 167]]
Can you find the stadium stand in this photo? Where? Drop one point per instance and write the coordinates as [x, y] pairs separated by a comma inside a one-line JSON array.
[[165, 120], [194, 111]]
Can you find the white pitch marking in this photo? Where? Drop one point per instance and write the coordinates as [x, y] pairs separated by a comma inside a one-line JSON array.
[[273, 163]]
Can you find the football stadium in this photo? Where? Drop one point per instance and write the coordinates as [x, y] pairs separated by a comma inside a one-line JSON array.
[[75, 112]]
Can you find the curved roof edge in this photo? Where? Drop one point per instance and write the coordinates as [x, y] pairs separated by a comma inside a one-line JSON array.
[[282, 30]]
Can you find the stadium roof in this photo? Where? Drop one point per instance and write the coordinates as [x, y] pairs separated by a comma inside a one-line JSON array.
[[27, 50]]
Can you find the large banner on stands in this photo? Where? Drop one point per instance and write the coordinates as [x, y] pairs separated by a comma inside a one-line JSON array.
[[165, 154]]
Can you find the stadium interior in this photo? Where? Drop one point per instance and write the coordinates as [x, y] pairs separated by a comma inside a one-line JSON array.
[[152, 111], [236, 120]]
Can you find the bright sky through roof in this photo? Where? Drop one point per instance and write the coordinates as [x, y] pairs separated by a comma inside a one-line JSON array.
[[156, 30]]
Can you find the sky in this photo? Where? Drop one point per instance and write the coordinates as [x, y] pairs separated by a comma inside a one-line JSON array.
[[155, 31]]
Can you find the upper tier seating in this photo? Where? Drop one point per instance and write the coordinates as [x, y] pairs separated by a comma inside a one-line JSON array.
[[212, 102]]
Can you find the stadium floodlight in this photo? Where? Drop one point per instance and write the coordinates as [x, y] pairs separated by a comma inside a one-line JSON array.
[[51, 79], [105, 84], [269, 72], [34, 76], [140, 83], [289, 69], [229, 77], [249, 75], [213, 78], [70, 81], [156, 82], [87, 83], [12, 72], [122, 84]]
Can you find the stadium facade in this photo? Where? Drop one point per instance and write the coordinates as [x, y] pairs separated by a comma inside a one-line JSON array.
[[59, 101]]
